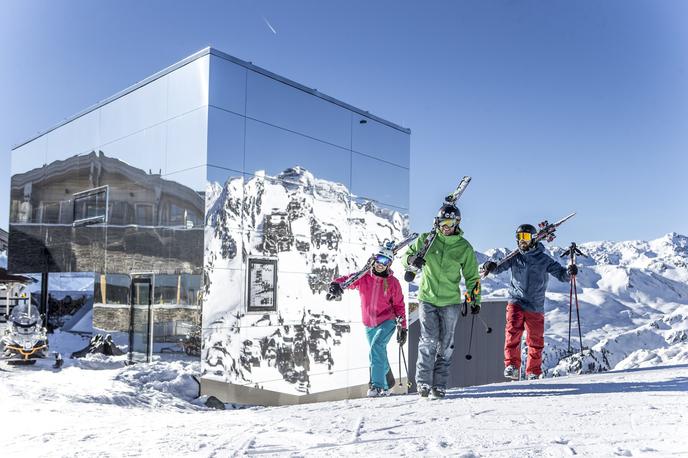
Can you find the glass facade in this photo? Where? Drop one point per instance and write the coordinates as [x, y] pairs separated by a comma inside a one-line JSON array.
[[120, 190], [227, 188], [300, 191]]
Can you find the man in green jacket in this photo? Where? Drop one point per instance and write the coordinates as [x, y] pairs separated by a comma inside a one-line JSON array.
[[449, 258]]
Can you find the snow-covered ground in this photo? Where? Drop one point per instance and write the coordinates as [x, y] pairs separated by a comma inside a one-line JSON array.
[[98, 407], [634, 313]]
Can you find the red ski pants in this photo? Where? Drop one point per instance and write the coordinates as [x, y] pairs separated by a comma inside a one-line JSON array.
[[517, 320]]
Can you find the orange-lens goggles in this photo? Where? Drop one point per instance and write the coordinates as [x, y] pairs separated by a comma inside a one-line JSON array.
[[447, 222], [527, 236]]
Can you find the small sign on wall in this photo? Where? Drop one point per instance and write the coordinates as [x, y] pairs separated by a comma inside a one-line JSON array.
[[261, 290]]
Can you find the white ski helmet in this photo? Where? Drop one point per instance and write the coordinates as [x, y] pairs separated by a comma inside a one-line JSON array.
[[386, 250]]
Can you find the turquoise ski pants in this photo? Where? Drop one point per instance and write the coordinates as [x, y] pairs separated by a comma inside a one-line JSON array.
[[378, 338]]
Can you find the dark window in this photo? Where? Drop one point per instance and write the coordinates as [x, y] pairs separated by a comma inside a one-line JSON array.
[[121, 213], [51, 213], [177, 216], [144, 214], [90, 207]]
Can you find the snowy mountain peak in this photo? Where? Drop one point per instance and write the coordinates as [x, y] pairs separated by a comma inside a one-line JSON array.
[[297, 174]]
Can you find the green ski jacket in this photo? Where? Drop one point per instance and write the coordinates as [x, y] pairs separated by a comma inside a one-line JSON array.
[[448, 259]]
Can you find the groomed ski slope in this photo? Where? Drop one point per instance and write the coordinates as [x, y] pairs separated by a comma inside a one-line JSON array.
[[96, 407]]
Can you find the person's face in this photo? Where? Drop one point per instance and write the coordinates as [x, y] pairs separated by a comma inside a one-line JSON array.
[[524, 240], [448, 226], [381, 263], [379, 268]]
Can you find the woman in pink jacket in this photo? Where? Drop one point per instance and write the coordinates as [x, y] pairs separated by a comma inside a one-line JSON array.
[[382, 302]]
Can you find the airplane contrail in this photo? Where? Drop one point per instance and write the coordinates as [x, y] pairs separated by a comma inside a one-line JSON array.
[[268, 24]]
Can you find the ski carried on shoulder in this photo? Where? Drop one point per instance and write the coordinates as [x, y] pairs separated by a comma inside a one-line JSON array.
[[397, 247], [546, 232], [450, 199]]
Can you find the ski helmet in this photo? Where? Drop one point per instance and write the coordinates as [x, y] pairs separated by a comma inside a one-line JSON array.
[[525, 229], [385, 254], [448, 211]]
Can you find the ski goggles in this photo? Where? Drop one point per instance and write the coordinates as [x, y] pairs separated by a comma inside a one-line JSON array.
[[383, 260], [448, 222], [527, 236]]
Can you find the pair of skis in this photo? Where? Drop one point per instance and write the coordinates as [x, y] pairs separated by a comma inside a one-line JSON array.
[[546, 232], [427, 244], [356, 276]]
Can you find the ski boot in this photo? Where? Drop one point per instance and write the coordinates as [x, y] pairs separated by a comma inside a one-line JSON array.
[[437, 393], [532, 376], [423, 391], [376, 392], [511, 373]]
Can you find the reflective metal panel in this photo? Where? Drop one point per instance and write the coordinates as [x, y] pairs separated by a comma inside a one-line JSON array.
[[30, 156], [140, 327], [188, 87], [143, 150], [69, 301], [225, 139], [76, 137], [278, 153], [379, 181], [378, 140], [138, 110], [285, 106], [187, 140], [27, 172], [192, 178], [223, 203], [227, 85]]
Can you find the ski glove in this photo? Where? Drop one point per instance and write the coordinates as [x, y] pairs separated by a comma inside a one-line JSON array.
[[402, 334], [475, 308], [416, 261], [489, 266], [335, 291], [572, 270]]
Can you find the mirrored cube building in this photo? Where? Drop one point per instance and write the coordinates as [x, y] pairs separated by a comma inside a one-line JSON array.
[[211, 204]]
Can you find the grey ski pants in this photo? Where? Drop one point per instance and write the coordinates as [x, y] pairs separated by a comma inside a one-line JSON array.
[[436, 345]]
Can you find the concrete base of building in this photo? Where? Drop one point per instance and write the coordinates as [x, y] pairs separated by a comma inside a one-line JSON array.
[[240, 394]]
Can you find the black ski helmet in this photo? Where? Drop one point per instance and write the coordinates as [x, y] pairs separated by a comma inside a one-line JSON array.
[[448, 211], [526, 228]]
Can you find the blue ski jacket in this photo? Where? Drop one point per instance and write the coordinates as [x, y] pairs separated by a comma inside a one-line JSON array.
[[529, 277]]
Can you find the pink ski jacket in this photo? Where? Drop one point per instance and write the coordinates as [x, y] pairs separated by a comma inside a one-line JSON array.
[[381, 298]]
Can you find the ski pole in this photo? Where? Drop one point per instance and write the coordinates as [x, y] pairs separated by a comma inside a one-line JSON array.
[[400, 366], [580, 335], [470, 340], [488, 329], [572, 252], [408, 381], [570, 307]]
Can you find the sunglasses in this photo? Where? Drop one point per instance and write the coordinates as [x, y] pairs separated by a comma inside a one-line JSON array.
[[447, 222], [383, 260], [527, 236]]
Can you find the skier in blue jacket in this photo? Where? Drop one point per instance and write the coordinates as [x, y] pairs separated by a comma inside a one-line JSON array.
[[530, 271]]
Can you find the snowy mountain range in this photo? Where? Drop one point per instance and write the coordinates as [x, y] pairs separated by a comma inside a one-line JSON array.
[[309, 230], [633, 299]]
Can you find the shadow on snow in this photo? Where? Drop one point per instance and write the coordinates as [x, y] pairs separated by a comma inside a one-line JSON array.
[[567, 389]]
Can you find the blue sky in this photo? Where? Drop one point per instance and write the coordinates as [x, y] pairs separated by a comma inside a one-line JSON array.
[[551, 106]]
